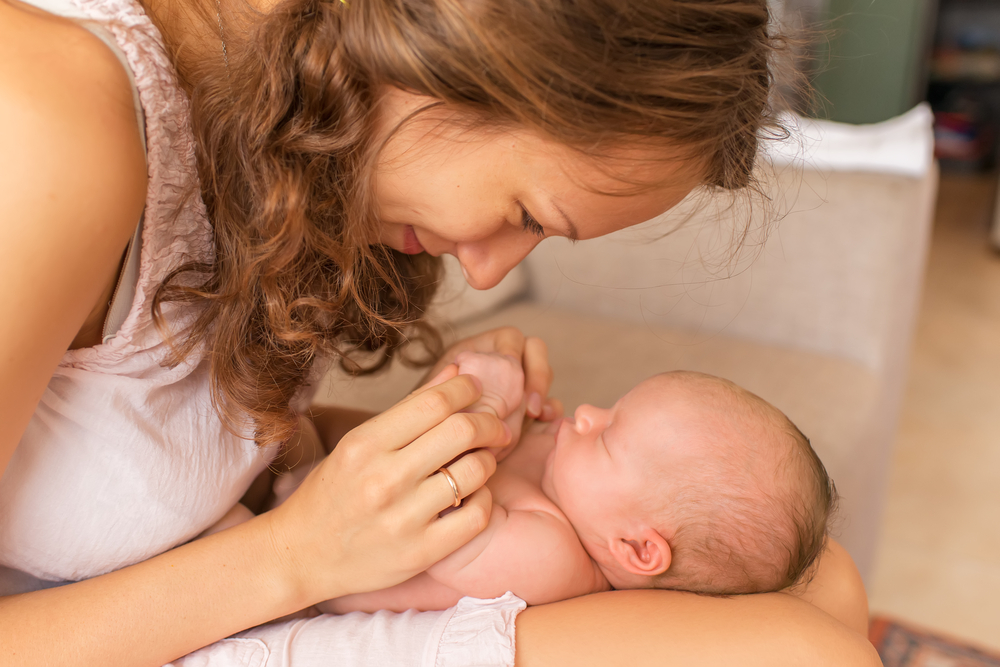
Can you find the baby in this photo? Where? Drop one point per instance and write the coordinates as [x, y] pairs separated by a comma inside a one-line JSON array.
[[688, 482]]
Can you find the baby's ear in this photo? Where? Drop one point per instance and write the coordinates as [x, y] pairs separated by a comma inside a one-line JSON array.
[[646, 554]]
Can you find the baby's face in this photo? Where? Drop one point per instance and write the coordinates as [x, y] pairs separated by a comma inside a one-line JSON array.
[[617, 473], [598, 472]]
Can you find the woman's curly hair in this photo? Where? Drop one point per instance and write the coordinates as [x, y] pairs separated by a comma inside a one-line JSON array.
[[288, 143]]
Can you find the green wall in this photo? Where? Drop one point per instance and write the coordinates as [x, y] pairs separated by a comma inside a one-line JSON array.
[[874, 66]]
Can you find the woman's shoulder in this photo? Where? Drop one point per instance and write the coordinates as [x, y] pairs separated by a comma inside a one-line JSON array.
[[73, 163], [66, 105], [72, 188]]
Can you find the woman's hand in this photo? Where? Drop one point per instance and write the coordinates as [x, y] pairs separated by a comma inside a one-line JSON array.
[[368, 516], [534, 356]]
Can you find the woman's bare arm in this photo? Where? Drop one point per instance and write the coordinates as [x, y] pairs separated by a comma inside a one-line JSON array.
[[837, 589], [671, 629], [822, 623], [155, 611]]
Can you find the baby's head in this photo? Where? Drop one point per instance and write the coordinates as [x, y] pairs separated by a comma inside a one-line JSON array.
[[690, 482]]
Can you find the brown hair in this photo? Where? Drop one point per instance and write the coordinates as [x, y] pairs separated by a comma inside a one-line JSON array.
[[287, 143]]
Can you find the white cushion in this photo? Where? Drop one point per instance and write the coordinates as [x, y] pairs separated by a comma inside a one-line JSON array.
[[903, 145]]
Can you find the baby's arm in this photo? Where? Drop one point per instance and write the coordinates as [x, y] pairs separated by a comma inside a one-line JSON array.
[[421, 593], [533, 554]]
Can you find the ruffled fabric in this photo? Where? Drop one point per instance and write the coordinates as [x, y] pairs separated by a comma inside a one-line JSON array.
[[176, 228], [480, 633], [476, 633]]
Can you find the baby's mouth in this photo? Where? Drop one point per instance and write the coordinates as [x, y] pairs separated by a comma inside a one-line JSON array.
[[411, 244]]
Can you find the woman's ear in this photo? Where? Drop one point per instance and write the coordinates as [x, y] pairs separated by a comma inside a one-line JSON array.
[[646, 554]]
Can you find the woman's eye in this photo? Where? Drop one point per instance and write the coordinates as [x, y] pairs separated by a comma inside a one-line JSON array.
[[530, 225]]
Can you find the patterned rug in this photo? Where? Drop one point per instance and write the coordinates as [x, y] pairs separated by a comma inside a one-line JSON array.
[[905, 646]]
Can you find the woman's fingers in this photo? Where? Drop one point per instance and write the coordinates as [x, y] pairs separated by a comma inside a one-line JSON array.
[[452, 438], [469, 473], [455, 529], [552, 410], [447, 373], [418, 413]]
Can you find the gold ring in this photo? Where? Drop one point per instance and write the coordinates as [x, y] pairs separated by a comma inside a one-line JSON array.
[[452, 484]]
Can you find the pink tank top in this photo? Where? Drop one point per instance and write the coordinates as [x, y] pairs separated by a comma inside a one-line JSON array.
[[125, 458]]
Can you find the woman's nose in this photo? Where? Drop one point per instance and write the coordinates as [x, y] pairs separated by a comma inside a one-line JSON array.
[[486, 262], [587, 418]]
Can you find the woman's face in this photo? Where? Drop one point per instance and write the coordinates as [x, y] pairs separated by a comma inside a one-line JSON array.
[[489, 197]]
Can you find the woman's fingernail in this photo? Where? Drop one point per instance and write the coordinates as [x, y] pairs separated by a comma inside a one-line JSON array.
[[534, 404], [548, 413], [507, 432], [476, 381]]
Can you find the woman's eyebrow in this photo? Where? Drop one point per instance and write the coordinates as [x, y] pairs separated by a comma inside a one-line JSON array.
[[574, 235]]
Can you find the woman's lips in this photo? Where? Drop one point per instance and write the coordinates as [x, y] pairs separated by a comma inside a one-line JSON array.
[[411, 244]]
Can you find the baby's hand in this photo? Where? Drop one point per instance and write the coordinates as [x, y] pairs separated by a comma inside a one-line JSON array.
[[503, 388]]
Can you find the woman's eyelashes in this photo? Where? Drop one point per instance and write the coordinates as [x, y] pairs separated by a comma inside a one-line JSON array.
[[529, 224]]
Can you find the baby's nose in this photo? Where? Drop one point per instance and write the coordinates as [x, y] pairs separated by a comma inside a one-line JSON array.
[[585, 418]]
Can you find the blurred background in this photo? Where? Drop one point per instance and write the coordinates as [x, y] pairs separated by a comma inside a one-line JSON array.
[[938, 555]]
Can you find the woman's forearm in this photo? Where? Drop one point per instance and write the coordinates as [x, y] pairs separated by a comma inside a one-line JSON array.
[[836, 588], [155, 611], [668, 629]]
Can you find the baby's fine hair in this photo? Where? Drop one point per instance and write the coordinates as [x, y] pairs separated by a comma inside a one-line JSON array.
[[754, 523]]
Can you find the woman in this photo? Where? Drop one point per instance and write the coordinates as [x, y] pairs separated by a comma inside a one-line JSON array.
[[339, 146]]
